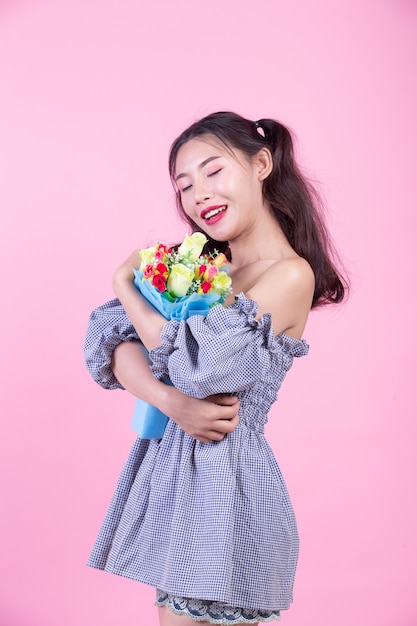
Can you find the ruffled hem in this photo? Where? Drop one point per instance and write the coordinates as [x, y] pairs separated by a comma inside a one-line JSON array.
[[213, 612], [291, 345], [107, 379]]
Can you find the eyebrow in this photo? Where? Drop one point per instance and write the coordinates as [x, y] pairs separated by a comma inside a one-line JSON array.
[[202, 164]]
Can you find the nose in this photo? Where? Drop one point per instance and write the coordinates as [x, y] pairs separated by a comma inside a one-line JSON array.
[[202, 193]]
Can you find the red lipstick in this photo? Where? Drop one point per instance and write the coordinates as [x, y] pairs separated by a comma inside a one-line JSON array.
[[213, 214]]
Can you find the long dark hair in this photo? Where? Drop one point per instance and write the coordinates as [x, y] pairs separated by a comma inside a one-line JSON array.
[[292, 199]]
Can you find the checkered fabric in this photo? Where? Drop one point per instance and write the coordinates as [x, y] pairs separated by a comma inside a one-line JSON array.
[[208, 521]]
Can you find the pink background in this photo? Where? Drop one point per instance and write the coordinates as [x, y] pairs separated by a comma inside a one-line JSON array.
[[91, 96]]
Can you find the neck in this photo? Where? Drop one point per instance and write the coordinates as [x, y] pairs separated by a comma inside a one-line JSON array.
[[265, 240]]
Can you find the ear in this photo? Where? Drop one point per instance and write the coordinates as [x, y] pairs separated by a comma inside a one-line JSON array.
[[263, 163]]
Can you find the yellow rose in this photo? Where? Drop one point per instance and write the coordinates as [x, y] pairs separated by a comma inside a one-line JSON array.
[[192, 244], [146, 257], [179, 280], [220, 260], [221, 283]]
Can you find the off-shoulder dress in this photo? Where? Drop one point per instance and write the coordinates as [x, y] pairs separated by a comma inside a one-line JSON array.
[[204, 521]]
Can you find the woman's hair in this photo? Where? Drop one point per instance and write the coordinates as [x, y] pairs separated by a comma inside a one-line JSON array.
[[292, 199]]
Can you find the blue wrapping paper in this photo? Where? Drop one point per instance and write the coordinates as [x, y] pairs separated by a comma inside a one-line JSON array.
[[149, 422]]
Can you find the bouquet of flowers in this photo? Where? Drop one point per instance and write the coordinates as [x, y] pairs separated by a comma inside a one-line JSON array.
[[178, 283]]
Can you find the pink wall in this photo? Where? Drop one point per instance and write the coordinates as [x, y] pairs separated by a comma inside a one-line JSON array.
[[91, 95]]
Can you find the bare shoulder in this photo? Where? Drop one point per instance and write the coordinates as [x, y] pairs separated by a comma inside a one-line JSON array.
[[294, 273], [286, 291]]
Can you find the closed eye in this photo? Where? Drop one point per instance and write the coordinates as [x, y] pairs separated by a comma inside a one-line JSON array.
[[214, 173], [187, 187]]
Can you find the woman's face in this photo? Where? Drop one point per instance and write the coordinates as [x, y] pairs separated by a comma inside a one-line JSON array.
[[221, 191]]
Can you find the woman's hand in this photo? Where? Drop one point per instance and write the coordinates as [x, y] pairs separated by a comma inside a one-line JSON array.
[[124, 273], [147, 321], [210, 419]]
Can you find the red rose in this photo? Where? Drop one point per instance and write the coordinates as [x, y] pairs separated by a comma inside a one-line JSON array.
[[162, 269], [159, 281], [205, 286], [202, 269]]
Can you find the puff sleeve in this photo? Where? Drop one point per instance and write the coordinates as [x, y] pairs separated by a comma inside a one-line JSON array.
[[227, 351]]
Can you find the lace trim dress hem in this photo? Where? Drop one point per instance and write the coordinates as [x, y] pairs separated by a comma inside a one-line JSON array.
[[213, 612]]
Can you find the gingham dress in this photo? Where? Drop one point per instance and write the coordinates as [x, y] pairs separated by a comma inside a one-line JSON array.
[[199, 520]]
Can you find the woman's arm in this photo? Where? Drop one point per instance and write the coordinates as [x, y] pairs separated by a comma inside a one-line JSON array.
[[207, 420], [146, 320]]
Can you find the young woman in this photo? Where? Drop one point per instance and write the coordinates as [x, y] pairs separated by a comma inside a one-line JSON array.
[[203, 514]]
